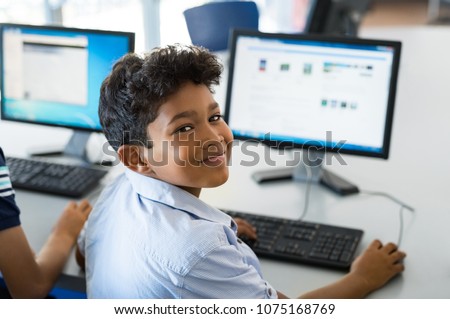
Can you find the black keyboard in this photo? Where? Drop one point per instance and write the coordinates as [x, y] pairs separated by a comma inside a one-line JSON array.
[[302, 242], [60, 179]]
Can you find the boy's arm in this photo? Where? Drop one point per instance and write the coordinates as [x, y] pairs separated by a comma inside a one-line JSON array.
[[30, 277], [370, 271], [19, 268]]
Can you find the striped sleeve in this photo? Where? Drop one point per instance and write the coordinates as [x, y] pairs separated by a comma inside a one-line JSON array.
[[9, 212]]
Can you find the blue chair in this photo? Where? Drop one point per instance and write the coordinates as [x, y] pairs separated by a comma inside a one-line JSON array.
[[209, 24]]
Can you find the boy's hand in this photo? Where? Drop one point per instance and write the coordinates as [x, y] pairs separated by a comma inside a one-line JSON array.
[[245, 229], [378, 264], [72, 218]]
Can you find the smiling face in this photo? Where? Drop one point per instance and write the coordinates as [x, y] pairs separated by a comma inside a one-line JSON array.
[[191, 141]]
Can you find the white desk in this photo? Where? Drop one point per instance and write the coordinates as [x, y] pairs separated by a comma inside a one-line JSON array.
[[417, 172]]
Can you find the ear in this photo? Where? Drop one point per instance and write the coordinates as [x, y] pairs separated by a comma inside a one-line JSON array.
[[133, 157]]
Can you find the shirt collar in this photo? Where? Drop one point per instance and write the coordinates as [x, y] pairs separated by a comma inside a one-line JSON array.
[[175, 197]]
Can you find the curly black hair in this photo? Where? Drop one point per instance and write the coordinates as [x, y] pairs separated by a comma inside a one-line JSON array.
[[137, 86]]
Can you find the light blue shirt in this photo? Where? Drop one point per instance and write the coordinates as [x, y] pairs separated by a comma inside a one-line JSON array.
[[149, 239]]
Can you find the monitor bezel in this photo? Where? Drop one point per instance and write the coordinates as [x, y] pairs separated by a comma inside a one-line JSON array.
[[396, 45], [131, 46]]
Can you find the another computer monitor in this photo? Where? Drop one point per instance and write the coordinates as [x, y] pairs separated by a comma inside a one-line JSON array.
[[317, 16], [52, 76], [335, 17], [330, 94]]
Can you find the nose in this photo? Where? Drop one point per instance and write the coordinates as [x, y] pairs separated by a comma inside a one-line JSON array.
[[212, 139]]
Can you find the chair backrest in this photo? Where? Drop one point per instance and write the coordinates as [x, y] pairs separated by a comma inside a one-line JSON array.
[[209, 24]]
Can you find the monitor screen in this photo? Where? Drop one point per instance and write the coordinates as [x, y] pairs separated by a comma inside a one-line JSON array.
[[52, 75], [331, 93]]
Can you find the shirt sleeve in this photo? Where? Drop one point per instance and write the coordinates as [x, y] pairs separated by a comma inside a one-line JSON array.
[[225, 274], [9, 212]]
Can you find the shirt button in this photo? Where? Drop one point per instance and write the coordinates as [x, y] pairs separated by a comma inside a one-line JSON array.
[[239, 241]]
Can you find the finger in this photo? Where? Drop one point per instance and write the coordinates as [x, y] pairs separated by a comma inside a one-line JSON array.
[[71, 205], [247, 230], [242, 222], [389, 248], [84, 205], [376, 244], [398, 256], [250, 226], [399, 267]]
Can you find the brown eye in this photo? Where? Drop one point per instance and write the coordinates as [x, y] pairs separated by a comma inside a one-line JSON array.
[[215, 118], [184, 129]]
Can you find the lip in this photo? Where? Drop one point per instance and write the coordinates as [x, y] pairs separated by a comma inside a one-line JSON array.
[[214, 160]]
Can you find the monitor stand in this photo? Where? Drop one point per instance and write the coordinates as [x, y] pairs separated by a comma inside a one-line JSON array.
[[310, 168], [74, 149]]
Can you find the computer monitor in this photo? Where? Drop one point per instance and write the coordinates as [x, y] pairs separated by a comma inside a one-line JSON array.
[[335, 17], [328, 94], [52, 76], [317, 16]]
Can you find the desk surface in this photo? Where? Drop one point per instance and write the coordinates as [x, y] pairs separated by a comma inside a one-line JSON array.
[[417, 173]]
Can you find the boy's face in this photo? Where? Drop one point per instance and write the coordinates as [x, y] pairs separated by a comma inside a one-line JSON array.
[[191, 141]]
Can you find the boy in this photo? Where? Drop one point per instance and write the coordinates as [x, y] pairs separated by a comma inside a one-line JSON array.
[[149, 235], [26, 275]]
